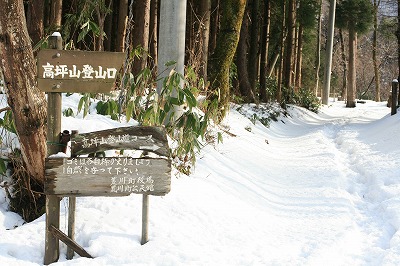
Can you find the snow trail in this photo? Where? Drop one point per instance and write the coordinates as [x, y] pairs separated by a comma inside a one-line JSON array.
[[312, 189]]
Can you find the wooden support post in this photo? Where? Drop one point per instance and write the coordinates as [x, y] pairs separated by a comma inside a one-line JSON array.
[[54, 107], [69, 242], [52, 244], [145, 219], [51, 252], [395, 85], [71, 225]]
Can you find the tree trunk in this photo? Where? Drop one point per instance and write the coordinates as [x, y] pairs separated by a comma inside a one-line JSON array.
[[299, 58], [221, 60], [398, 39], [141, 34], [289, 51], [35, 20], [281, 53], [205, 11], [28, 104], [351, 90], [153, 46], [55, 15], [374, 53], [122, 17], [254, 54], [102, 10], [344, 65], [264, 50], [214, 25], [318, 52], [241, 62]]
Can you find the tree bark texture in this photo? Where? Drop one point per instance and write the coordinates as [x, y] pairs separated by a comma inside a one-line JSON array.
[[374, 53], [299, 58], [318, 51], [289, 51], [56, 14], [35, 20], [264, 50], [241, 62], [220, 61], [141, 32], [344, 64], [28, 104], [122, 17], [205, 10], [254, 51], [153, 42], [351, 89]]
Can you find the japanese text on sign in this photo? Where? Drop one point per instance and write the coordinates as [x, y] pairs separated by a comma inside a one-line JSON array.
[[112, 139], [132, 184], [86, 72], [124, 173]]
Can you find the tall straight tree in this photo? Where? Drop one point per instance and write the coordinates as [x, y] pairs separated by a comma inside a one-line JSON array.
[[356, 16], [153, 38], [141, 33], [328, 53], [35, 20], [290, 39], [222, 57], [56, 14], [264, 50], [398, 39], [205, 12], [121, 27], [307, 18], [28, 104], [375, 51], [242, 60], [318, 50], [254, 51]]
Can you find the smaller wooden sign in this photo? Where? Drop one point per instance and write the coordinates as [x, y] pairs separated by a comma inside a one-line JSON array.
[[112, 176], [107, 176], [153, 139], [78, 71]]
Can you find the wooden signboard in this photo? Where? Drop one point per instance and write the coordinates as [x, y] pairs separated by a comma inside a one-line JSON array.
[[150, 174], [78, 71], [112, 176], [152, 139], [107, 176], [80, 175]]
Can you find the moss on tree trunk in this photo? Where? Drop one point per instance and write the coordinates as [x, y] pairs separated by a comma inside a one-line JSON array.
[[222, 57]]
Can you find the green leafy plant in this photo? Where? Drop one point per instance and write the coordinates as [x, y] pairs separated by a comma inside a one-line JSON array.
[[176, 108], [84, 104], [7, 122], [307, 99], [109, 107], [68, 112]]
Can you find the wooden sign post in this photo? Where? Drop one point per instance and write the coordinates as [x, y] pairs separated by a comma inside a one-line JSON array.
[[77, 71]]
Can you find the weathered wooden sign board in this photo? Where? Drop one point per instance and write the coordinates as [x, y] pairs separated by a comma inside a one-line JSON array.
[[77, 71], [112, 176], [107, 176]]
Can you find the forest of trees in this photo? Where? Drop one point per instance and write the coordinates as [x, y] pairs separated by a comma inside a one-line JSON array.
[[254, 51], [281, 43]]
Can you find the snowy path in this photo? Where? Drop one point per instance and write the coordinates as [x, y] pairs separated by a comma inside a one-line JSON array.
[[315, 189], [319, 180]]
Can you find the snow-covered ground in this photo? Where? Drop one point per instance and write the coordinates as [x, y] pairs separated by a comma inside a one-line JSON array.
[[312, 189]]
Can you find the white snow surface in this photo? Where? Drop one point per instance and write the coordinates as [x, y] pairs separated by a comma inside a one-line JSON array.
[[312, 189]]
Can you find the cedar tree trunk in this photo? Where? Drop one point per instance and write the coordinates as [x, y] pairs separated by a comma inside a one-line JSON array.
[[351, 89], [221, 60]]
